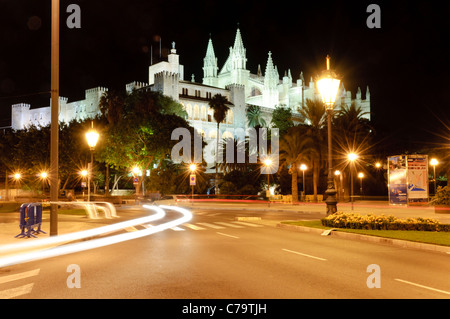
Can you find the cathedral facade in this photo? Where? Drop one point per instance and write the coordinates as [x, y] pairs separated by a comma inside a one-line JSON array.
[[233, 80]]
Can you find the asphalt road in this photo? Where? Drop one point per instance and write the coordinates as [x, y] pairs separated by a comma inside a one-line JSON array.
[[214, 256]]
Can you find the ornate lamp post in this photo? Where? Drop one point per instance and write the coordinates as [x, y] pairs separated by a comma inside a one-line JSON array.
[[303, 168], [92, 138], [433, 163], [192, 168], [352, 157], [328, 85]]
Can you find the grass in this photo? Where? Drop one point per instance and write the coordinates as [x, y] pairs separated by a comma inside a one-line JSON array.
[[437, 238]]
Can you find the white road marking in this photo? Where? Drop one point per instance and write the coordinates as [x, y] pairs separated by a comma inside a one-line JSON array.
[[22, 275], [247, 224], [211, 225], [227, 235], [228, 225], [194, 227], [422, 286], [305, 255], [178, 229], [15, 292]]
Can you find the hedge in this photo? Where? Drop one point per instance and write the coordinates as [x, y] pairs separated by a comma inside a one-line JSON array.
[[382, 222]]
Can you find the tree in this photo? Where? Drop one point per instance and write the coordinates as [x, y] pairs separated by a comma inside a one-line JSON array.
[[141, 135], [314, 115], [254, 117], [282, 119], [295, 148], [219, 104]]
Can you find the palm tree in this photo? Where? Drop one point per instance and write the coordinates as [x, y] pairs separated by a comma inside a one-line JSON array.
[[295, 148], [314, 115], [219, 104], [254, 117]]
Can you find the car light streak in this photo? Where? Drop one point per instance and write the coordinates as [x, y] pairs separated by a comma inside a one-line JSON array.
[[95, 243]]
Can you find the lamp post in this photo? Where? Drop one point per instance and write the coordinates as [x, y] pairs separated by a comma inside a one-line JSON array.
[[303, 168], [43, 176], [192, 179], [352, 157], [433, 163], [92, 138], [328, 85], [338, 173], [361, 176], [267, 164], [83, 176]]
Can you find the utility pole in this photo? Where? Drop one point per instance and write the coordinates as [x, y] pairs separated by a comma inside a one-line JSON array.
[[54, 130]]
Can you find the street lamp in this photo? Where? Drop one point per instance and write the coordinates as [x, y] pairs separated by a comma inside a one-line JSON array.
[[361, 176], [192, 168], [338, 174], [303, 168], [433, 163], [83, 183], [43, 176], [92, 139], [328, 85], [352, 157]]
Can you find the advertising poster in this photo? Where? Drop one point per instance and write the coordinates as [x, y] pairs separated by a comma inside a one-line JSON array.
[[417, 177], [397, 180]]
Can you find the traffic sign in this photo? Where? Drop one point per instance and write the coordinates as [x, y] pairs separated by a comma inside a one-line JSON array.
[[192, 180]]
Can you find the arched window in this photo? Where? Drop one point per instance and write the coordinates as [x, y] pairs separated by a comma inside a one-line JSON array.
[[196, 112], [189, 111], [227, 134], [203, 115]]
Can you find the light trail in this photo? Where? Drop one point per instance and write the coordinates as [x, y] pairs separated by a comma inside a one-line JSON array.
[[95, 243]]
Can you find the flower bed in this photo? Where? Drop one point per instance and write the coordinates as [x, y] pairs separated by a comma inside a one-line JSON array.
[[382, 222]]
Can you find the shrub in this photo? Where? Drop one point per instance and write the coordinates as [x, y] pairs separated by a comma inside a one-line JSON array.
[[442, 196], [382, 222]]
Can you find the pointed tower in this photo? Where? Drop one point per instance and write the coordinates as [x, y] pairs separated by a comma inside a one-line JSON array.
[[271, 79], [238, 53], [238, 62], [210, 66]]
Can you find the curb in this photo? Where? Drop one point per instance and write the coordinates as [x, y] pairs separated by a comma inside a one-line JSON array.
[[374, 239], [268, 209]]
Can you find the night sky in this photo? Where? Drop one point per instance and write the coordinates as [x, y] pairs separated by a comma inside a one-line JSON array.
[[405, 62]]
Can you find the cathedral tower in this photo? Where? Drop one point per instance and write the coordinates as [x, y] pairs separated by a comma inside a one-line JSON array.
[[210, 66]]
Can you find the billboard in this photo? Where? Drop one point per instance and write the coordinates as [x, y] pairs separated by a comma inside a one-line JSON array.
[[408, 179], [397, 180], [417, 176]]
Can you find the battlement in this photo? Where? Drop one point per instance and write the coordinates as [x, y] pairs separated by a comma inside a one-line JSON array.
[[135, 85], [98, 89], [167, 75], [21, 106]]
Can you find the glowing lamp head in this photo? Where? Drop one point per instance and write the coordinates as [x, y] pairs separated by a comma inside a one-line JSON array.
[[92, 138], [192, 167], [328, 85], [378, 165], [360, 175], [337, 172], [44, 175], [84, 173], [136, 170], [352, 157], [268, 162], [17, 176], [434, 162], [303, 167]]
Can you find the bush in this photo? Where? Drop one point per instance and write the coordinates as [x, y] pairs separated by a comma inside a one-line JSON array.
[[382, 222], [442, 196]]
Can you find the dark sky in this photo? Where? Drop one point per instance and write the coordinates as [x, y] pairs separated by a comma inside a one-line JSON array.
[[405, 62]]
